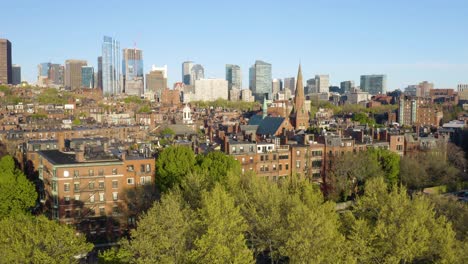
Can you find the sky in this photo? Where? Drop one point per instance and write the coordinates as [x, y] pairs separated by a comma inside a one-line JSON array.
[[408, 40]]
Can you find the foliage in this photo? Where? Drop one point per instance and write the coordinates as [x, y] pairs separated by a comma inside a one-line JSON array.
[[456, 212], [226, 104], [38, 116], [133, 99], [389, 227], [167, 132], [216, 166], [76, 121], [172, 165], [28, 239], [17, 194], [144, 109], [53, 96], [363, 118]]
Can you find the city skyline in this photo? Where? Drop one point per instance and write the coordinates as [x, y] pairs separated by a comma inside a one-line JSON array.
[[409, 42]]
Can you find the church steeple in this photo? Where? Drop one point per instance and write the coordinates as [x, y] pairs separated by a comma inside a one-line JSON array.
[[299, 115]]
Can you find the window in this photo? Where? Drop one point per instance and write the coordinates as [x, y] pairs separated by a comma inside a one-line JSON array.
[[274, 167], [241, 149], [114, 171], [142, 168], [76, 187], [234, 149], [91, 198], [77, 197], [76, 173], [298, 153], [102, 211], [101, 185], [282, 157], [130, 168], [243, 160], [251, 159], [115, 184], [274, 156], [54, 186], [148, 167], [298, 164], [115, 196], [66, 199], [101, 197], [55, 197], [66, 173], [130, 181], [251, 148], [280, 167], [91, 172], [266, 157], [77, 212], [261, 157], [91, 185], [101, 172], [287, 166], [115, 210], [68, 213], [399, 147]]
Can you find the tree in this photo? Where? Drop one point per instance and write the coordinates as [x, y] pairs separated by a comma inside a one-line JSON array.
[[28, 239], [216, 166], [172, 165], [456, 212], [17, 194], [389, 227], [164, 232], [222, 230]]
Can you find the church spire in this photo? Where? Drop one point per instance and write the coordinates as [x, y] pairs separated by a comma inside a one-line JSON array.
[[299, 115]]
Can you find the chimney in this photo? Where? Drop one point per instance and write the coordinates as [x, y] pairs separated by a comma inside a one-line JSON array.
[[61, 141], [80, 154]]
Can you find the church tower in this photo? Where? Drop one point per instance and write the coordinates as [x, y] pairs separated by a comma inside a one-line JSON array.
[[299, 115]]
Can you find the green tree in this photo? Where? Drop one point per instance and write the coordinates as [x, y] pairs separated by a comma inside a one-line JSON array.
[[216, 165], [17, 194], [392, 228], [172, 165], [222, 230], [164, 233], [28, 239]]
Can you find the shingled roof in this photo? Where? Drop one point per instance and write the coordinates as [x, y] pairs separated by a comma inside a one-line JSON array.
[[268, 125]]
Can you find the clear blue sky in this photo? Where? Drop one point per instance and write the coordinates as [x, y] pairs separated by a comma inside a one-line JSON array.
[[410, 40]]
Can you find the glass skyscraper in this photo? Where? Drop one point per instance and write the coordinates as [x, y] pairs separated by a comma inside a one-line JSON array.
[[87, 77], [260, 80], [374, 84], [234, 76], [111, 67]]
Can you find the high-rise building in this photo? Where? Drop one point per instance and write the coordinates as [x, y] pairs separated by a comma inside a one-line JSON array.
[[132, 70], [210, 90], [156, 82], [186, 72], [43, 70], [111, 67], [322, 83], [56, 74], [196, 73], [277, 86], [424, 89], [299, 115], [16, 74], [5, 62], [463, 91], [73, 78], [374, 84], [347, 86], [290, 84], [260, 80], [99, 73], [311, 88], [234, 76], [87, 77]]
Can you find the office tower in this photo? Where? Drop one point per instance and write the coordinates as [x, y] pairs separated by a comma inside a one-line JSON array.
[[111, 67], [196, 73], [43, 70], [260, 80], [463, 92], [411, 90], [132, 72], [73, 73], [99, 73], [374, 84], [156, 82], [290, 84], [322, 83], [186, 72], [347, 86], [277, 86], [87, 77], [311, 88], [234, 76], [211, 89], [56, 74], [16, 74], [424, 89], [5, 62], [299, 115]]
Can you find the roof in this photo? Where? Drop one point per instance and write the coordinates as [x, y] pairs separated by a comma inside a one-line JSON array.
[[268, 125], [57, 157], [180, 129]]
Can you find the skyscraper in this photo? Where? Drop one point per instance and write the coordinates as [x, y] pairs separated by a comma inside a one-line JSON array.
[[73, 78], [87, 77], [424, 88], [234, 76], [196, 73], [16, 74], [99, 73], [374, 84], [311, 87], [43, 70], [346, 86], [132, 69], [56, 74], [5, 62], [322, 83], [290, 83], [299, 115], [156, 82], [277, 86], [260, 80], [111, 67], [186, 72]]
